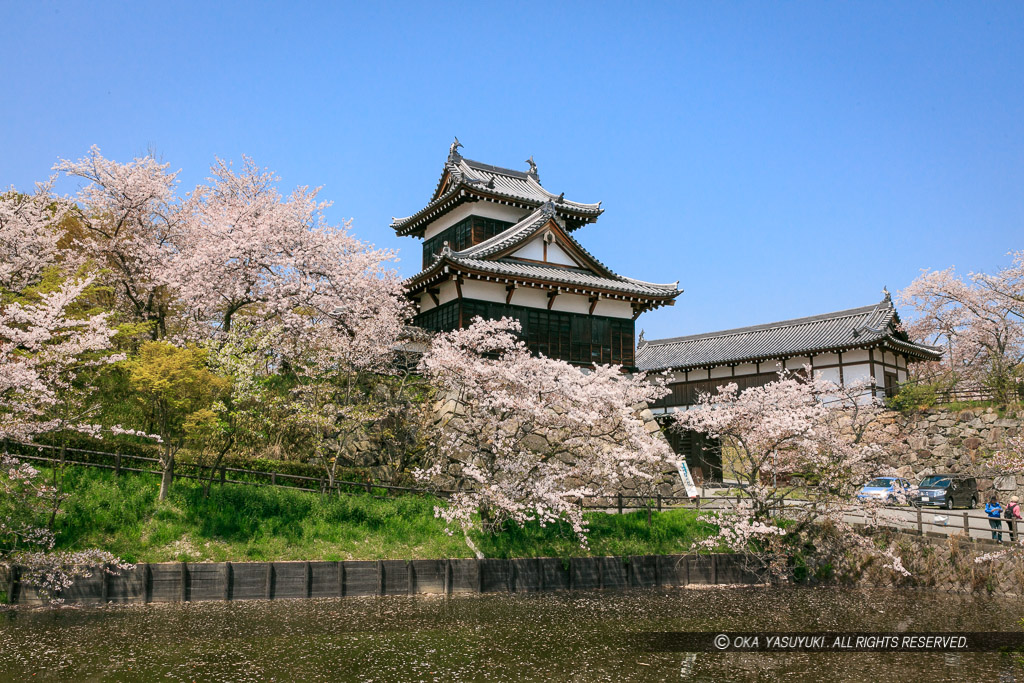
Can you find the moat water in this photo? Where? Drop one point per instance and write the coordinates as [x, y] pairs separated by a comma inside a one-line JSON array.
[[559, 637]]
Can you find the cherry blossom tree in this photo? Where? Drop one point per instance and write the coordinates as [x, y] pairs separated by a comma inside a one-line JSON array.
[[800, 445], [128, 215], [28, 236], [46, 337], [46, 342], [245, 250], [980, 322], [27, 544], [524, 437]]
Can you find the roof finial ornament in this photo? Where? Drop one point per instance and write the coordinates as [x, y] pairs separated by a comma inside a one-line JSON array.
[[446, 250], [888, 296], [549, 208], [533, 167], [453, 149], [640, 341]]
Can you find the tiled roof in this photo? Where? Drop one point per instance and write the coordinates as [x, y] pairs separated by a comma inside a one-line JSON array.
[[486, 181], [852, 328], [476, 259]]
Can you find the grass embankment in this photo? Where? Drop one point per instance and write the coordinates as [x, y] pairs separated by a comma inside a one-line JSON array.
[[239, 523]]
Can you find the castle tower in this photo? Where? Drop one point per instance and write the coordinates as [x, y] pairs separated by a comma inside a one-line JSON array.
[[497, 244]]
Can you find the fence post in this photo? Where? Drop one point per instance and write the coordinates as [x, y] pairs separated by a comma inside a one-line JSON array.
[[117, 464], [223, 474], [12, 583], [341, 579], [967, 525], [620, 503], [147, 583], [410, 575], [309, 580], [920, 524], [659, 502], [273, 478]]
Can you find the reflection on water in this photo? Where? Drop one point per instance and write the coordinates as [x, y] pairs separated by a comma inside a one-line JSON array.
[[565, 637]]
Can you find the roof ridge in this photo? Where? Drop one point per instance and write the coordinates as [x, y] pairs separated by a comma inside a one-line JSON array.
[[792, 322], [491, 168]]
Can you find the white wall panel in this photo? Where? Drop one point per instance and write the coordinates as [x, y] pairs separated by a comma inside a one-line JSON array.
[[571, 303], [826, 359], [484, 291], [614, 308], [533, 250], [855, 356]]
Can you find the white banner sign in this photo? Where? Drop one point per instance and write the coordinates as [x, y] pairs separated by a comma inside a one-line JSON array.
[[684, 474]]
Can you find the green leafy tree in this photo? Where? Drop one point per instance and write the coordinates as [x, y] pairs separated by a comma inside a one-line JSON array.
[[172, 386]]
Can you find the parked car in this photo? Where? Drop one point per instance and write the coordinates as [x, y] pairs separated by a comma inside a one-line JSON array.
[[948, 491], [886, 489]]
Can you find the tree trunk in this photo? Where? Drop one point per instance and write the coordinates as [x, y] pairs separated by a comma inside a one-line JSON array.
[[168, 472], [216, 464]]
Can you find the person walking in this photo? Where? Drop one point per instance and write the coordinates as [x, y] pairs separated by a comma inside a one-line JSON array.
[[1012, 514], [995, 514]]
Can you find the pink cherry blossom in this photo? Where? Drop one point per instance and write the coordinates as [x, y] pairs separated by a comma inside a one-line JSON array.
[[525, 436]]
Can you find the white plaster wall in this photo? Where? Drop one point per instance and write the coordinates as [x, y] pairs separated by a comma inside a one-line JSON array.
[[721, 372], [534, 249], [746, 369], [855, 356], [556, 255], [571, 303], [889, 358], [901, 375], [480, 208], [852, 373], [530, 296], [484, 291], [826, 359], [614, 308], [901, 361], [797, 363], [829, 374], [426, 303], [448, 292]]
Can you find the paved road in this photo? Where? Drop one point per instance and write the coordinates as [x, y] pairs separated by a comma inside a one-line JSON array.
[[933, 519]]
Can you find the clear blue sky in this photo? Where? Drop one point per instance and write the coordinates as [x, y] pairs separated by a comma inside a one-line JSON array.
[[779, 159]]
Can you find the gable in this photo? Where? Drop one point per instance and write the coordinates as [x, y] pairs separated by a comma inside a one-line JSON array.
[[545, 251]]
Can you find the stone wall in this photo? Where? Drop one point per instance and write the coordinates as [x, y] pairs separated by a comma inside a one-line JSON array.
[[948, 563], [938, 441]]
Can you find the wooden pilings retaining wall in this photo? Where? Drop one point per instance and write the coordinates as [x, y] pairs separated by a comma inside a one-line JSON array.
[[199, 581]]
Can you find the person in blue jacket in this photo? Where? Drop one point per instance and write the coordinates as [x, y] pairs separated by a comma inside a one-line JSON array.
[[995, 514]]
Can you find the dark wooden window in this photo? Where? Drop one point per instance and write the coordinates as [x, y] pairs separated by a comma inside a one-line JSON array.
[[574, 337], [465, 233], [891, 384]]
